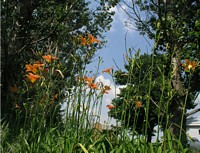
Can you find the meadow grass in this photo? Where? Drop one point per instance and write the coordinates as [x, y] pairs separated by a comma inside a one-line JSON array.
[[36, 131]]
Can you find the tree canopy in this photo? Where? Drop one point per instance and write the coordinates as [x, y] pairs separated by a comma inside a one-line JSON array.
[[32, 29], [167, 80], [133, 100]]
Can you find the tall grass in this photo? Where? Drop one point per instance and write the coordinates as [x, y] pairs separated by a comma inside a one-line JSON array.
[[41, 128], [162, 105]]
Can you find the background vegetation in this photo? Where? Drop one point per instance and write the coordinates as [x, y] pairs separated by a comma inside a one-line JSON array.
[[46, 46]]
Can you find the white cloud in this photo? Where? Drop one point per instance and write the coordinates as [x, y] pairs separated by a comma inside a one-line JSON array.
[[121, 19], [103, 80], [112, 93], [107, 98]]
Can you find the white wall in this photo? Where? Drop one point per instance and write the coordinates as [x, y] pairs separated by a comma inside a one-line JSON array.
[[193, 131]]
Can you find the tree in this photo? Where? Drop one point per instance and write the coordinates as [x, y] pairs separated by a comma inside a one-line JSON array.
[[31, 29], [132, 102], [174, 27]]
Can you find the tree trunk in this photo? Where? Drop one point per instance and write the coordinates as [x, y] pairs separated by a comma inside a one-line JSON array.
[[177, 120], [13, 43], [176, 125]]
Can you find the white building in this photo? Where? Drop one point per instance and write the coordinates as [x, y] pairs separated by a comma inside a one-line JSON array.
[[193, 131], [193, 127]]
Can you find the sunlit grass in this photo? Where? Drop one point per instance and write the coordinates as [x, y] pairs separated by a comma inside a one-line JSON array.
[[40, 127]]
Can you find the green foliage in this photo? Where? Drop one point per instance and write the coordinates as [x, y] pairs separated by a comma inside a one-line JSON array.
[[140, 88], [161, 81], [55, 140], [70, 32], [35, 28], [43, 129], [75, 132], [175, 28]]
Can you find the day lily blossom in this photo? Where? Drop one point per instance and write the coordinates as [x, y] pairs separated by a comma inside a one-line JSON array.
[[88, 40], [39, 65], [88, 80], [110, 106], [93, 86], [92, 39], [49, 58], [34, 68], [138, 104], [106, 89], [31, 68], [32, 77], [108, 70], [83, 41], [188, 65]]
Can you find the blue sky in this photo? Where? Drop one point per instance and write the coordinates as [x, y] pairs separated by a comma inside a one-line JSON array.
[[115, 47], [115, 50]]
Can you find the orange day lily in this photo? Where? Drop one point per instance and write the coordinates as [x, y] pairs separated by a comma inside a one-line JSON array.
[[31, 68], [106, 89], [92, 39], [108, 70], [83, 41], [88, 80], [138, 104], [34, 68], [39, 65], [32, 77], [49, 58], [93, 86], [188, 65], [110, 106]]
